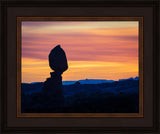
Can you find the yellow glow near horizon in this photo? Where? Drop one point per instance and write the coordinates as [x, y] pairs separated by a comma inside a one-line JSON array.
[[78, 70]]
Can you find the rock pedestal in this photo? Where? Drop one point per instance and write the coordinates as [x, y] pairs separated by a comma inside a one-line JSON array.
[[53, 90]]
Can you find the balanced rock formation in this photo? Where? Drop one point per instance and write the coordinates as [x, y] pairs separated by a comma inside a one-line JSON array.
[[52, 88]]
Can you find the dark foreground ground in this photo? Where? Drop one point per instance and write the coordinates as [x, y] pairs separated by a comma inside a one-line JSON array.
[[116, 97]]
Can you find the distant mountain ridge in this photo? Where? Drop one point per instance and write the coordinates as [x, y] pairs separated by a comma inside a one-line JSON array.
[[136, 78], [89, 81]]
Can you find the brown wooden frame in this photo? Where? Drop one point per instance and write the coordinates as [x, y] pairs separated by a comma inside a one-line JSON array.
[[140, 21], [149, 123]]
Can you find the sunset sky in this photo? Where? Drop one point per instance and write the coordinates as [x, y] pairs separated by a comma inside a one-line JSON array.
[[94, 49]]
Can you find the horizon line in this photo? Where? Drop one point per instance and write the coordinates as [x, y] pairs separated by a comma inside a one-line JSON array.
[[83, 79]]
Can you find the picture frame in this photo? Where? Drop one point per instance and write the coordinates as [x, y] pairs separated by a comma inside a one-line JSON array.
[[148, 122]]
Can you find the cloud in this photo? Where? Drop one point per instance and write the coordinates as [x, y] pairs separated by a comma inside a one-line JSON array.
[[81, 47]]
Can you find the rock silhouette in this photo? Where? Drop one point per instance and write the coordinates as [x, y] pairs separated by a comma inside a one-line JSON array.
[[58, 60], [52, 88]]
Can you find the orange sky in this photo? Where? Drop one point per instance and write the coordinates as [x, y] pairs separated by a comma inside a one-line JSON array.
[[95, 49]]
